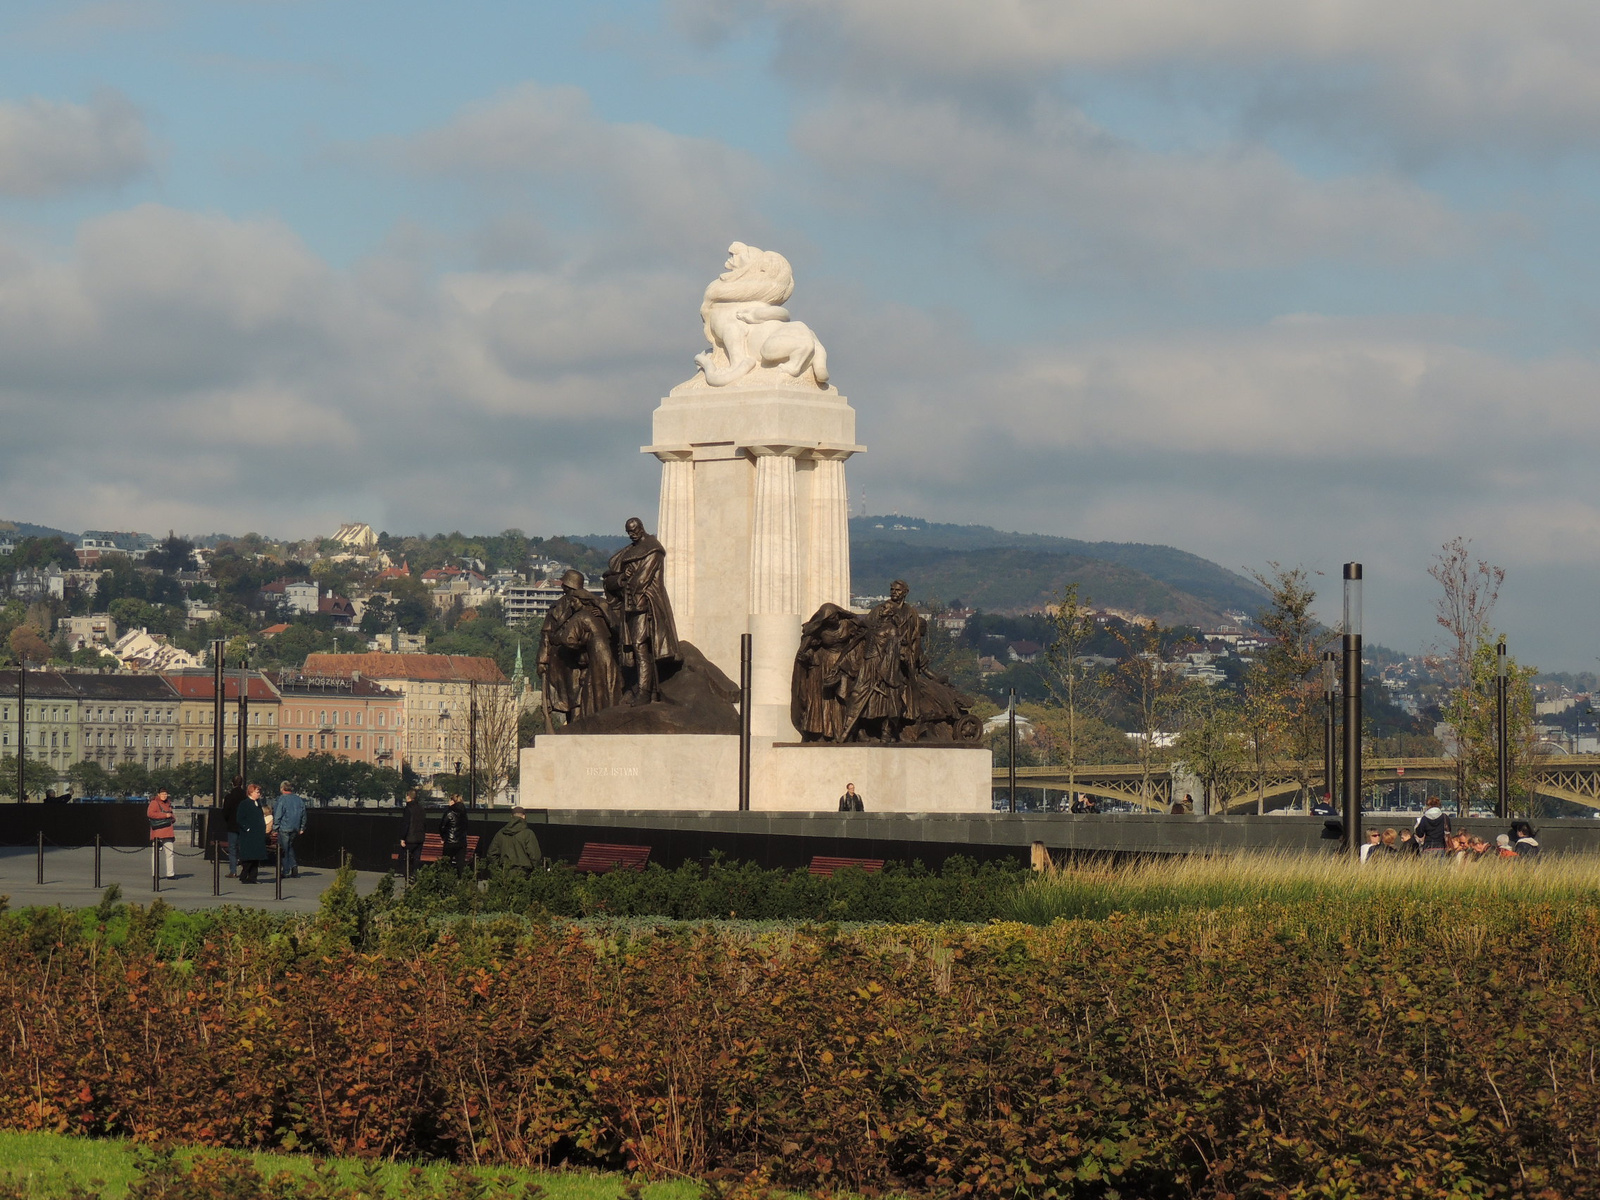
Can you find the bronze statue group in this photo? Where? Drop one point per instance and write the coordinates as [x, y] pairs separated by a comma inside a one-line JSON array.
[[858, 677]]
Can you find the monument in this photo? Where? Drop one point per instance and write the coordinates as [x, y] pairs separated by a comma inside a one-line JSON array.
[[752, 537]]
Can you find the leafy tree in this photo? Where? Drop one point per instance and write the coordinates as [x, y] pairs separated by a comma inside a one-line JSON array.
[[171, 555], [1212, 742], [1152, 688], [1067, 677], [1281, 687], [28, 645], [89, 778], [37, 776], [1473, 713], [130, 779], [1468, 591]]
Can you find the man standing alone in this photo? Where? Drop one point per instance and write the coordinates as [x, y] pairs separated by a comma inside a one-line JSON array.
[[515, 846], [288, 822], [851, 800]]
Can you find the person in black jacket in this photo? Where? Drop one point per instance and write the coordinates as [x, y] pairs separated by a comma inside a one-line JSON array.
[[413, 832], [453, 833], [231, 800], [851, 800]]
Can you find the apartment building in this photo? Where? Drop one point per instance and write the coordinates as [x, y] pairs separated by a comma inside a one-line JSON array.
[[196, 690], [437, 690], [51, 730], [347, 715], [126, 718]]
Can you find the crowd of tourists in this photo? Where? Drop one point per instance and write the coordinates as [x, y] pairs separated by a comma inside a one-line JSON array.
[[1434, 838]]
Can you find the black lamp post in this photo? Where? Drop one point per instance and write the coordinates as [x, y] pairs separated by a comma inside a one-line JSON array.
[[1011, 751], [22, 730], [218, 736], [1330, 693], [1502, 759], [244, 711], [1352, 707]]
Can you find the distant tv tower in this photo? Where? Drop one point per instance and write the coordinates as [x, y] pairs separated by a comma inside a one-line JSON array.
[[861, 498]]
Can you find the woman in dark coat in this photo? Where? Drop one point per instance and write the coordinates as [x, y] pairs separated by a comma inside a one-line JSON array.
[[252, 818]]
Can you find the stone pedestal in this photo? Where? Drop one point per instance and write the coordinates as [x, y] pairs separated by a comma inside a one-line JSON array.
[[755, 520], [688, 771]]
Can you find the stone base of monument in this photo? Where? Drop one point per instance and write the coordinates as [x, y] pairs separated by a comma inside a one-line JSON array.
[[701, 771]]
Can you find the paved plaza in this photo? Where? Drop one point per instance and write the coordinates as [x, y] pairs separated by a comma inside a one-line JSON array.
[[69, 880]]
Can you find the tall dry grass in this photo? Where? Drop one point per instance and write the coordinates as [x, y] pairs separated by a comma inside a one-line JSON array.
[[1328, 884]]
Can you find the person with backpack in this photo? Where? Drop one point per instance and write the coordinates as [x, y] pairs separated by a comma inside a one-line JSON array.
[[1524, 842], [1433, 833]]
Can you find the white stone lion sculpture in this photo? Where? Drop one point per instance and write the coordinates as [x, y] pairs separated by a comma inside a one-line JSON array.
[[747, 326]]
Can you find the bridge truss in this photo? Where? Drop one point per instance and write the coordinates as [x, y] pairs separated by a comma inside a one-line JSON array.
[[1571, 777]]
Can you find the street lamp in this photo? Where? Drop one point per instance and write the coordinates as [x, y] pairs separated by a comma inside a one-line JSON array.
[[1352, 706], [1502, 763], [1330, 692]]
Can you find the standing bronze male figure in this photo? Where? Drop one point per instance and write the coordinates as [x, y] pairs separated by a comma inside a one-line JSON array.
[[636, 584]]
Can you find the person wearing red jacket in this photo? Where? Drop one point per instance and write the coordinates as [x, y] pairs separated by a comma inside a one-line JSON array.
[[163, 831]]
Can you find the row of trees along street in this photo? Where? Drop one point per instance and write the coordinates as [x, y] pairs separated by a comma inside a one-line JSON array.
[[1106, 690]]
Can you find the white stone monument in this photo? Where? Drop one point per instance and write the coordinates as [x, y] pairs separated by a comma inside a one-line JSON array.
[[755, 522]]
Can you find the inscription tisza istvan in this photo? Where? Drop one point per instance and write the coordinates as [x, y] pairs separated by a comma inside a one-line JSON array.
[[613, 770]]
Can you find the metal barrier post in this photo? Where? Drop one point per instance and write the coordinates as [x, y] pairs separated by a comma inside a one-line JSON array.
[[155, 865], [41, 856], [97, 862], [277, 884]]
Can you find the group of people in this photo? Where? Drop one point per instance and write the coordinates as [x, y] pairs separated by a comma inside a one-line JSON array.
[[1434, 837], [514, 845], [252, 824]]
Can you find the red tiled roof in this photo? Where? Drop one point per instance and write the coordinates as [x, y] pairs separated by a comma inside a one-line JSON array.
[[274, 630], [430, 668], [196, 685]]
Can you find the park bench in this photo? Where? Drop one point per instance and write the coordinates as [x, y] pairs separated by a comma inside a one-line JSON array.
[[823, 864], [599, 857], [433, 849]]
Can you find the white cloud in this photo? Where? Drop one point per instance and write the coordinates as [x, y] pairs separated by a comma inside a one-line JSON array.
[[50, 147], [1055, 193], [656, 193], [1468, 70]]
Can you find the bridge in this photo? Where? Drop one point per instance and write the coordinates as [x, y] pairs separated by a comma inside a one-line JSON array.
[[1571, 777]]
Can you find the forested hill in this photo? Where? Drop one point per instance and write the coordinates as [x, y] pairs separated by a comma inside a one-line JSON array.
[[997, 571]]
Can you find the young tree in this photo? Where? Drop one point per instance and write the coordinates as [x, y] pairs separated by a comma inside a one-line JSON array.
[[1072, 625], [1469, 589], [1474, 714], [1212, 742], [1152, 688], [499, 709], [1282, 697]]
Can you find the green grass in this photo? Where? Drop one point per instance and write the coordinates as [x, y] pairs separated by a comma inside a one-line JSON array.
[[45, 1163], [1279, 881]]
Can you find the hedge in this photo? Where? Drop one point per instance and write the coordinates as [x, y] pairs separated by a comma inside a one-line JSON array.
[[1228, 1054], [960, 891]]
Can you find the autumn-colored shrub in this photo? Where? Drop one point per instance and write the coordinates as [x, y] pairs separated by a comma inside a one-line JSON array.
[[1238, 1053]]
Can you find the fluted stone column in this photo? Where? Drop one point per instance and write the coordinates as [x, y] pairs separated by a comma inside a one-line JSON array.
[[775, 589], [828, 568], [774, 538], [675, 527]]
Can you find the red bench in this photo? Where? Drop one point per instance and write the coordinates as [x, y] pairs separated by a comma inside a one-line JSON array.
[[823, 864], [599, 857], [433, 849]]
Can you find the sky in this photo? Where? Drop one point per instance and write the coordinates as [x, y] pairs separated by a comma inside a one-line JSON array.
[[1293, 281]]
